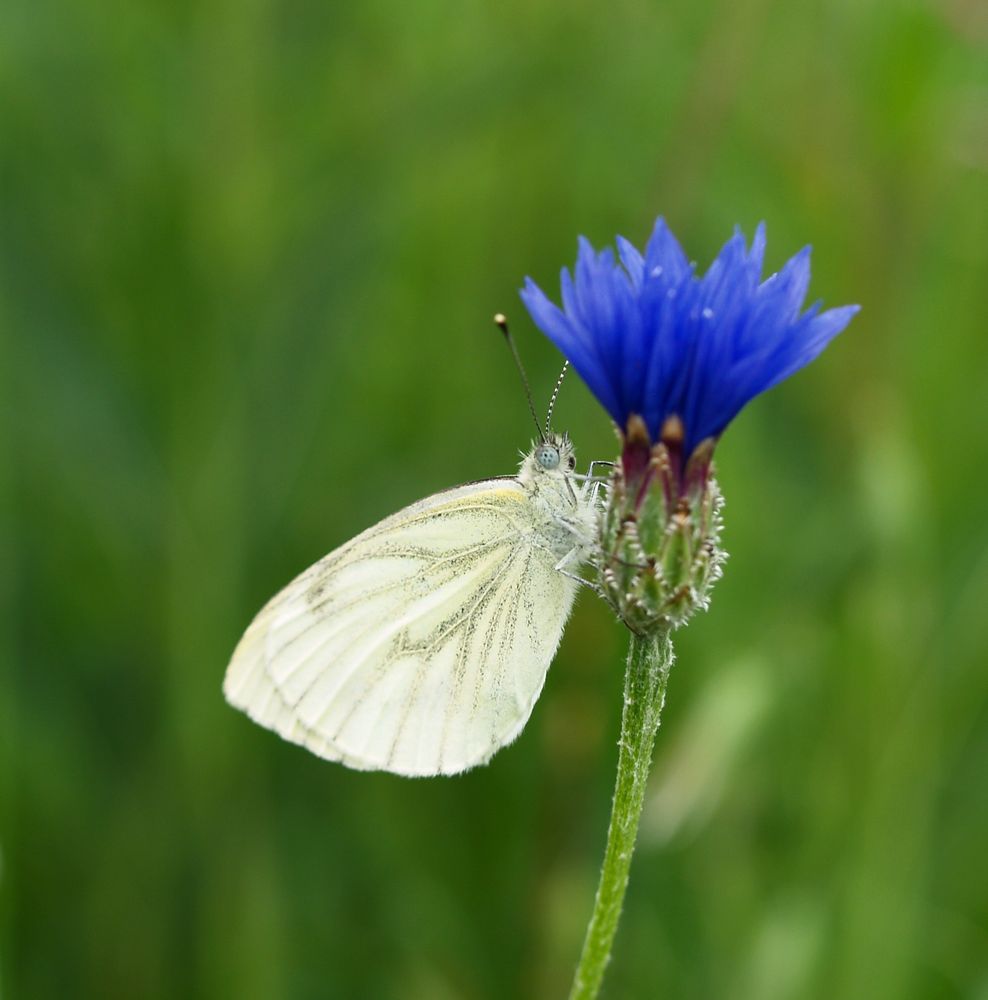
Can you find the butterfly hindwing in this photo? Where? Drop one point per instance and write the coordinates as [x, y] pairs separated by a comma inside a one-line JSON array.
[[418, 647]]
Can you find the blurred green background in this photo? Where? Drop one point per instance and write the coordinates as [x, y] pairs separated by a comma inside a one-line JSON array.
[[250, 252]]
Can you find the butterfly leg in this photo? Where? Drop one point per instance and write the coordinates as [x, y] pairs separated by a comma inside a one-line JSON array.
[[573, 528], [597, 481], [595, 587], [575, 551], [590, 474]]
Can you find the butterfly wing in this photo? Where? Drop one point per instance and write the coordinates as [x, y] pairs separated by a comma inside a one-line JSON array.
[[420, 646]]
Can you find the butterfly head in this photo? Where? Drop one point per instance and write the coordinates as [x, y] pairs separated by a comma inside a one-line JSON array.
[[553, 456]]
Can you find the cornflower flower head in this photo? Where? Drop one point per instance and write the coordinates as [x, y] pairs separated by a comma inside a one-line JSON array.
[[673, 357]]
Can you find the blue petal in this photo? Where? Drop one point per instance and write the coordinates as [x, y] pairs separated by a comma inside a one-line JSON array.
[[664, 256], [649, 336], [574, 343], [633, 262]]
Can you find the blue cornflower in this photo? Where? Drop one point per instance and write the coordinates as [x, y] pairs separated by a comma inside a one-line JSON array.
[[656, 342]]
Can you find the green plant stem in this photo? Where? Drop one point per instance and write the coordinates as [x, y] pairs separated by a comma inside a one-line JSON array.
[[649, 660]]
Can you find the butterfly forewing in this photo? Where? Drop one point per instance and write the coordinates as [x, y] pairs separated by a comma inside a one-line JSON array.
[[420, 646]]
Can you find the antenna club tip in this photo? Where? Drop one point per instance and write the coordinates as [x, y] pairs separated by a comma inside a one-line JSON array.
[[501, 321]]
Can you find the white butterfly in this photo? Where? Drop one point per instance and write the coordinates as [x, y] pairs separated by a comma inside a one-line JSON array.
[[421, 646]]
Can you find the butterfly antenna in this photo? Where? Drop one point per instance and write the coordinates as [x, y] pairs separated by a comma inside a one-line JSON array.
[[555, 393], [501, 322]]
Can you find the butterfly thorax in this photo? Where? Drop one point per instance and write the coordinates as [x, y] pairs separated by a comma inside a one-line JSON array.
[[567, 515]]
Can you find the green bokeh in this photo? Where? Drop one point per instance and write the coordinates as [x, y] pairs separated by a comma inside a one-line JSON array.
[[250, 252]]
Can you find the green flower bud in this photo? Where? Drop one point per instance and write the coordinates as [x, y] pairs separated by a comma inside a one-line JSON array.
[[659, 531]]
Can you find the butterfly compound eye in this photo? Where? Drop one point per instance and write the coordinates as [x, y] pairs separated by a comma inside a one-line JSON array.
[[547, 456]]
